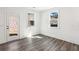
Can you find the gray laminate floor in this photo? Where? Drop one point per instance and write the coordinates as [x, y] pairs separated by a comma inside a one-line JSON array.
[[39, 43]]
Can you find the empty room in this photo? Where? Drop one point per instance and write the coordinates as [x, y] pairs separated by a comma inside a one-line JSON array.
[[39, 28]]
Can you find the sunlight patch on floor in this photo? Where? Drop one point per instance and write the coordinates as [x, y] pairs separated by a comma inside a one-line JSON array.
[[37, 37]]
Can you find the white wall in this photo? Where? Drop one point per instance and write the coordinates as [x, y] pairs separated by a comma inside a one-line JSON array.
[[24, 29], [68, 29], [22, 12], [2, 25]]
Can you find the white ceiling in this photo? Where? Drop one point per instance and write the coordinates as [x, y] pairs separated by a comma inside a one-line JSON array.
[[39, 8]]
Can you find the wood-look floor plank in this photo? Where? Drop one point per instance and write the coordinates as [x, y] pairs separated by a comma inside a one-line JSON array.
[[44, 43]]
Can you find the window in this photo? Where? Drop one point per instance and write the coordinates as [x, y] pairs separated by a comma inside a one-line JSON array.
[[30, 19], [54, 18]]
